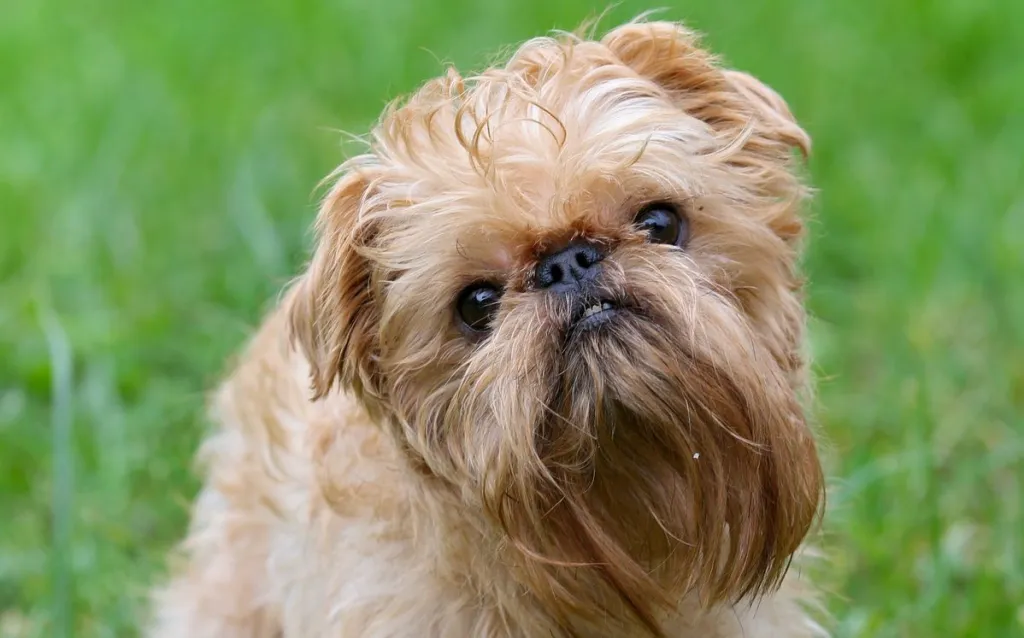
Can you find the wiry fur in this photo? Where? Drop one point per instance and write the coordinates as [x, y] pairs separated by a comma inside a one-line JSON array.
[[652, 478]]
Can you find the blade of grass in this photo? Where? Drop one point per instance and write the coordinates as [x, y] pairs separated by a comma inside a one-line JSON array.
[[63, 470]]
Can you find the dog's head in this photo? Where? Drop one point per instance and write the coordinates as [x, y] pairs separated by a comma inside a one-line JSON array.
[[569, 287]]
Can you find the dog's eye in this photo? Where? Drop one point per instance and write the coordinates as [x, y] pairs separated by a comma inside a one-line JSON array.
[[663, 224], [477, 305]]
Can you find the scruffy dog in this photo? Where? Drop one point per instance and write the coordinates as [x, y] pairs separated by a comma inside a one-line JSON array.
[[553, 326]]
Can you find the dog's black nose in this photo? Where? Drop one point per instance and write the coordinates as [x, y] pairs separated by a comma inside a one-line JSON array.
[[570, 268]]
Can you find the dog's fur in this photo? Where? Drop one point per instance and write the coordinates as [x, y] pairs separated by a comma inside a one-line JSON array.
[[653, 477]]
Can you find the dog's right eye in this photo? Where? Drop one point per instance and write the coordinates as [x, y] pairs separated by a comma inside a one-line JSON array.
[[477, 305]]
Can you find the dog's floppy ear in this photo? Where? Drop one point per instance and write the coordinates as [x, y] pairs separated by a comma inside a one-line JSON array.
[[332, 308], [670, 55], [776, 120]]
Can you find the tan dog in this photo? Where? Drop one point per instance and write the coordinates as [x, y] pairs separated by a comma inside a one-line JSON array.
[[553, 325]]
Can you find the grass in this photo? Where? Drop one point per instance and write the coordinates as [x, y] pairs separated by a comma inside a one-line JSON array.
[[157, 166]]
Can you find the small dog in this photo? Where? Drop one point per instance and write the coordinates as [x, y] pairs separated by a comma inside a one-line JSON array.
[[553, 327]]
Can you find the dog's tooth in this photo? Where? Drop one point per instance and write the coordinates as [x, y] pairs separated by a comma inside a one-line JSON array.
[[591, 310]]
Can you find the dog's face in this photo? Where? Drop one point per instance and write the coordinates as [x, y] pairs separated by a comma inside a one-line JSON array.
[[569, 287]]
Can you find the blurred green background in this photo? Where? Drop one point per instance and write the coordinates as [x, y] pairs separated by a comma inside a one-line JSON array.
[[158, 162]]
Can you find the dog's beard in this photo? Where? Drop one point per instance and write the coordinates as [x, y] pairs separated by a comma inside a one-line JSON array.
[[662, 452]]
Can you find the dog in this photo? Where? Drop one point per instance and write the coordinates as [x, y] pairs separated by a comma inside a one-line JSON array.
[[544, 374]]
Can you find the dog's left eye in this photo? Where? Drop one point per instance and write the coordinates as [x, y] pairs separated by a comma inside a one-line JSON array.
[[477, 305], [663, 224]]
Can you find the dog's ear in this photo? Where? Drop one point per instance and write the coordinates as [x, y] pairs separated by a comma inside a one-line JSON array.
[[669, 54], [775, 118], [332, 308]]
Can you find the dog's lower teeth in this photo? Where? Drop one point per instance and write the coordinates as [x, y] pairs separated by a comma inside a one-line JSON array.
[[596, 308]]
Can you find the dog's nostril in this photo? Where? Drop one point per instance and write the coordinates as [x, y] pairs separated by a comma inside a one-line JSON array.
[[583, 259], [555, 274]]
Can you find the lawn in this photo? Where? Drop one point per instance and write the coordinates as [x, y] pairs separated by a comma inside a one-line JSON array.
[[158, 162]]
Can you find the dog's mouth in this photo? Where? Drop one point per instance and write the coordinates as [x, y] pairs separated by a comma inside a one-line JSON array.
[[590, 314]]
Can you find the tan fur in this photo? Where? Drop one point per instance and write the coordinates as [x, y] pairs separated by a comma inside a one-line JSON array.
[[655, 478]]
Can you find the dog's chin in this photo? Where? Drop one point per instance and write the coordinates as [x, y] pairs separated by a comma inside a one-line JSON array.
[[616, 381], [656, 464]]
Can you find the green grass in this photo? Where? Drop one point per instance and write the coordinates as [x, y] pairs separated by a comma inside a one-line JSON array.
[[157, 168]]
